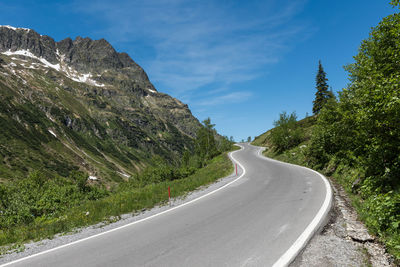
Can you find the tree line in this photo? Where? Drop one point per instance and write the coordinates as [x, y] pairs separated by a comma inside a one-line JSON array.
[[358, 133]]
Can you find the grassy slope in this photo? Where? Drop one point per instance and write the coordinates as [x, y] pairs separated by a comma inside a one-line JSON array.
[[108, 209], [341, 174], [107, 135], [295, 155]]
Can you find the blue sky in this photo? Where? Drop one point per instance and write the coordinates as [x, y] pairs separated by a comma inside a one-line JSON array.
[[239, 62]]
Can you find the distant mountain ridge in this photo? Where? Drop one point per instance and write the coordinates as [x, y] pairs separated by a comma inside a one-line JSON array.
[[79, 104], [83, 54]]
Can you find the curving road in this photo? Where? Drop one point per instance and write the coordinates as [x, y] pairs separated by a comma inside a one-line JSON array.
[[263, 218]]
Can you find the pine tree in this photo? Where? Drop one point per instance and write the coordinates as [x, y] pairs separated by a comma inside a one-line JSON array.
[[323, 94]]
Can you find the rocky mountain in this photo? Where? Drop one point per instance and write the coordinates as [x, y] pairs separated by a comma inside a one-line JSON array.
[[81, 105]]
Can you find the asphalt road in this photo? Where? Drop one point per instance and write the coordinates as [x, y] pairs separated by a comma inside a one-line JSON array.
[[261, 219]]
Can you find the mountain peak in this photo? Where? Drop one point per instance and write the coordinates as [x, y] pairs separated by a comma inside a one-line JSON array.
[[89, 100], [83, 54], [14, 28]]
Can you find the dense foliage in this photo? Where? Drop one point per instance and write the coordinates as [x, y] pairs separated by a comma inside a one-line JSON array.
[[42, 199], [286, 134], [364, 126], [39, 198], [208, 144], [362, 130], [71, 208], [356, 139]]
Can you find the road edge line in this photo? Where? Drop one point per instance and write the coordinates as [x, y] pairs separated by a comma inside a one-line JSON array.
[[314, 225], [230, 155]]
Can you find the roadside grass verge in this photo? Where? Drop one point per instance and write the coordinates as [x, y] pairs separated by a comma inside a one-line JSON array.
[[129, 199], [377, 210]]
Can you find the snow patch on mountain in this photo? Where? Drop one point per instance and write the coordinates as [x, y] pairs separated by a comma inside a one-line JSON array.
[[14, 28], [27, 53], [84, 78], [50, 131], [70, 72]]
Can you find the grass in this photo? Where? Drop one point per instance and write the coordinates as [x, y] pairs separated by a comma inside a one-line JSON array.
[[85, 122], [340, 173], [109, 209]]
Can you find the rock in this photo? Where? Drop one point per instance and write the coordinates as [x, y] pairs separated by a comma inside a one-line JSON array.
[[344, 241], [93, 178], [379, 257], [20, 39], [356, 185], [68, 121], [99, 101]]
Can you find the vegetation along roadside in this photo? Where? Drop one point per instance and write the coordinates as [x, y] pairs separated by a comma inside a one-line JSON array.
[[39, 206], [355, 139]]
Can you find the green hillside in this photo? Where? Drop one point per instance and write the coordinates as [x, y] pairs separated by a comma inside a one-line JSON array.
[[295, 154], [376, 203], [355, 139], [99, 114], [85, 137]]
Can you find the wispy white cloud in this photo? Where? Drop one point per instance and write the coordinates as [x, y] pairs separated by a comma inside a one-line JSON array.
[[230, 98], [198, 44]]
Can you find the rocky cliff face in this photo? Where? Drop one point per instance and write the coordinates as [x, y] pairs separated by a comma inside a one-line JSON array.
[[79, 104]]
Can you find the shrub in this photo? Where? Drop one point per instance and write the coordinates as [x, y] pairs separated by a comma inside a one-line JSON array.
[[286, 134]]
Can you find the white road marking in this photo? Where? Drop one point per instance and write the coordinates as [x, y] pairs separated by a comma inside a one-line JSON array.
[[302, 240], [139, 221], [284, 260]]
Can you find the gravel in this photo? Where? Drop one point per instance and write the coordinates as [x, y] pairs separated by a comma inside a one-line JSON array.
[[344, 241], [31, 248]]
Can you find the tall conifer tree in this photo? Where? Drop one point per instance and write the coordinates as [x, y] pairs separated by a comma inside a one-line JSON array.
[[323, 94]]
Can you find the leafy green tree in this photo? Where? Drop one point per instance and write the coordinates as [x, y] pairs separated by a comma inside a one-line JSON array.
[[205, 141], [395, 3], [224, 144], [365, 125], [363, 129], [286, 134], [322, 94], [332, 135], [186, 158], [249, 139], [373, 100]]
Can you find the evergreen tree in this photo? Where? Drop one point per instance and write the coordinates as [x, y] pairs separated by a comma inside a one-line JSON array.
[[361, 132], [323, 94]]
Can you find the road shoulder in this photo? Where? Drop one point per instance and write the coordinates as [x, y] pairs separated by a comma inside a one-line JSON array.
[[344, 241], [64, 239]]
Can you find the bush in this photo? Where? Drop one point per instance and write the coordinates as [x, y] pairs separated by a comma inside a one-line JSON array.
[[363, 129], [383, 212], [39, 196], [286, 134]]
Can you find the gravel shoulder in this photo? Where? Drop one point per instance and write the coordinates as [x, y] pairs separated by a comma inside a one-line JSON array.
[[31, 248], [344, 241]]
